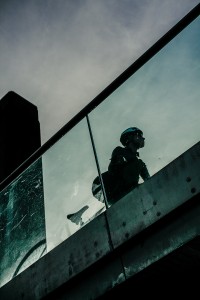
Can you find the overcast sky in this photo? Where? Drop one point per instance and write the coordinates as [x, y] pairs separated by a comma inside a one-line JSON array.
[[59, 54]]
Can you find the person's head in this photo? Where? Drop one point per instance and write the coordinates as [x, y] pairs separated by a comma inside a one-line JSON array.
[[134, 136]]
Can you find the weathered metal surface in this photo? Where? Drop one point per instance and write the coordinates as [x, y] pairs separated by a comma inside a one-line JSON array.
[[163, 192], [68, 259], [103, 277], [164, 239]]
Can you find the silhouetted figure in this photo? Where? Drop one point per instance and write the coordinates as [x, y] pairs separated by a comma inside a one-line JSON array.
[[125, 168], [124, 172]]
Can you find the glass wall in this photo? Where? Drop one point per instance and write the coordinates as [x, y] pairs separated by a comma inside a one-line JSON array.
[[162, 99], [53, 198], [69, 169], [48, 202], [22, 222]]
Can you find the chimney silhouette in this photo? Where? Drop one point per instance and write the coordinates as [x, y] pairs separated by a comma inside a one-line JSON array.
[[19, 132]]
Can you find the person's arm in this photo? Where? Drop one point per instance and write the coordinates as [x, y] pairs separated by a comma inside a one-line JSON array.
[[144, 171]]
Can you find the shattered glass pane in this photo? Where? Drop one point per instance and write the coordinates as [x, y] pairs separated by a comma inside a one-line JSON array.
[[22, 223]]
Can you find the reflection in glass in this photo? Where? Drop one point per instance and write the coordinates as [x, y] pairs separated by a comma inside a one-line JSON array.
[[22, 223], [162, 99], [69, 169]]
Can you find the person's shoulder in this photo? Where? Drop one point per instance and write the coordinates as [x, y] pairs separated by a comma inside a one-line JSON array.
[[119, 148]]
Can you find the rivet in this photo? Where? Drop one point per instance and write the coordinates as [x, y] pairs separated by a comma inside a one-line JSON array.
[[154, 202], [193, 190], [95, 243], [127, 235], [188, 179], [124, 224], [158, 214], [144, 212]]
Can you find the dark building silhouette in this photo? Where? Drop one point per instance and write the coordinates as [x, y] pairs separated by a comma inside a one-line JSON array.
[[19, 132]]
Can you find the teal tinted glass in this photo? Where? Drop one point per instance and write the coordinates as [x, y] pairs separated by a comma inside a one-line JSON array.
[[48, 202], [22, 223], [69, 169], [161, 98]]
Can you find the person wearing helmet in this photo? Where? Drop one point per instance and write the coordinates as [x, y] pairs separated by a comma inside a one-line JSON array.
[[126, 167]]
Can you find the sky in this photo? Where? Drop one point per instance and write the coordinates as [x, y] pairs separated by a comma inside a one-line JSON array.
[[60, 54]]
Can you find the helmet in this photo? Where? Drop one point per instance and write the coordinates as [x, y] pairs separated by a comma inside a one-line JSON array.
[[126, 133]]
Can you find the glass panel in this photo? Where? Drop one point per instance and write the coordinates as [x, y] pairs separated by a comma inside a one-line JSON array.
[[69, 169], [162, 99], [22, 223], [62, 180]]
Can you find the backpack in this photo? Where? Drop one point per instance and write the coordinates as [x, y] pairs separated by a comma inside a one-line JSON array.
[[96, 186]]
